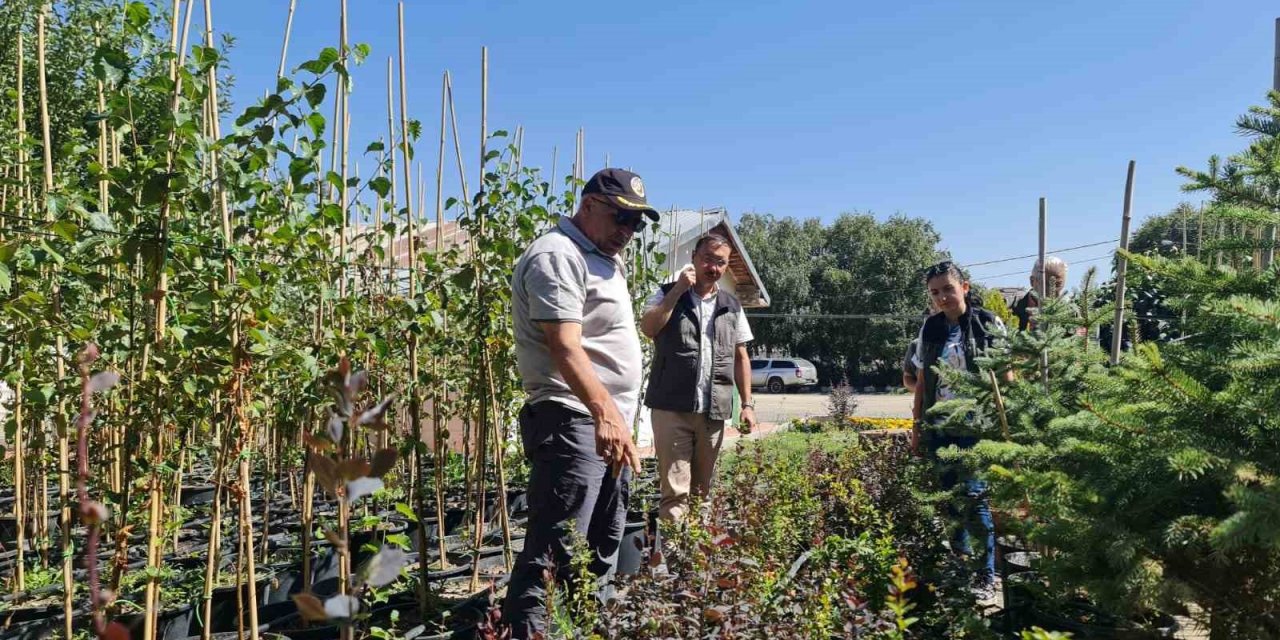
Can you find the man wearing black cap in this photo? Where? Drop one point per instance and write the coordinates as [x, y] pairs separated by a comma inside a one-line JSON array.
[[579, 359]]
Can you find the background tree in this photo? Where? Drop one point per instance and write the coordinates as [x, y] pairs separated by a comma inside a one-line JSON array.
[[857, 265]]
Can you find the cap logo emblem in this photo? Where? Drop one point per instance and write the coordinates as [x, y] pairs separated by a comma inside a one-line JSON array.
[[637, 186]]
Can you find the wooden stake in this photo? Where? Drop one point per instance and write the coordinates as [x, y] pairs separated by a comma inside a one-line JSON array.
[[552, 178], [19, 462], [391, 148], [238, 399], [457, 145], [1117, 328], [1044, 287], [64, 443], [404, 150], [284, 48], [344, 124], [439, 392]]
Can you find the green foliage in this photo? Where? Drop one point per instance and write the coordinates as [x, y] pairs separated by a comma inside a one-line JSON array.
[[815, 537], [855, 265], [1150, 483], [993, 301]]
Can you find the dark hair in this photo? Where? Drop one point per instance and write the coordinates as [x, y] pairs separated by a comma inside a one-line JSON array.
[[945, 268], [712, 238]]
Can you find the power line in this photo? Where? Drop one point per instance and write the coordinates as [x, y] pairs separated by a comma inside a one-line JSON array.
[[1037, 255]]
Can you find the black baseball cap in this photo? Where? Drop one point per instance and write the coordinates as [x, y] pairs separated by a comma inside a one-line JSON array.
[[622, 188]]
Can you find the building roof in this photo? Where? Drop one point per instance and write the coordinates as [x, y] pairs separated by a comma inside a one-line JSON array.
[[688, 224]]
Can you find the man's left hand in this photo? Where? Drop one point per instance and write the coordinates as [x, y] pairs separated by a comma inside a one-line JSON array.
[[747, 420]]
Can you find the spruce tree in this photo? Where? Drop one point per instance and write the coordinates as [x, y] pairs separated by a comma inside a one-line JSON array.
[[1152, 484]]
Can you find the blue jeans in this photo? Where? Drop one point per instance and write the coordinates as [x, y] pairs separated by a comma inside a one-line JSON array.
[[970, 514]]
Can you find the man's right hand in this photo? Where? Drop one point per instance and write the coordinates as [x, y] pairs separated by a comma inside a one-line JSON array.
[[613, 442], [688, 276]]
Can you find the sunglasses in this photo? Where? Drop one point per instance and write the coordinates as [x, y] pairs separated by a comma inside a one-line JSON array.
[[944, 268], [628, 218]]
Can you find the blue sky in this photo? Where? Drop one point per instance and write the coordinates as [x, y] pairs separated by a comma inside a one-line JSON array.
[[961, 113]]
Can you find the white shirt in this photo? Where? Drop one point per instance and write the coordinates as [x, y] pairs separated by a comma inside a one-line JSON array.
[[706, 308]]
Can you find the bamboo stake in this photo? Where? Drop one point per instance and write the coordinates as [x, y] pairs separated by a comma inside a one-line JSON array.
[[553, 178], [439, 392], [238, 398], [415, 425], [1117, 329], [404, 150], [457, 147], [64, 443], [19, 461], [344, 125], [284, 48], [391, 146]]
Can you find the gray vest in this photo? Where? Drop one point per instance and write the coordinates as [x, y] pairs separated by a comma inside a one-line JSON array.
[[673, 379]]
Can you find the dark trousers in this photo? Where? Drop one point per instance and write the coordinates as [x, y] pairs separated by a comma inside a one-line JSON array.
[[970, 514], [570, 489]]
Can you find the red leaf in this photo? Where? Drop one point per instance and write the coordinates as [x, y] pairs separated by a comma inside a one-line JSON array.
[[115, 631], [353, 468], [326, 471], [309, 606], [383, 461]]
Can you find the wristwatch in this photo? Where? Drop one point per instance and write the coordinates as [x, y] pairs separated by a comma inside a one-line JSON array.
[[749, 405]]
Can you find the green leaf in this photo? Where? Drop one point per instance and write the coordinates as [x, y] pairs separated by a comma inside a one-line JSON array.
[[381, 185], [321, 64], [65, 229], [404, 510], [361, 51], [137, 15], [332, 213], [315, 94], [5, 282], [376, 145], [155, 189]]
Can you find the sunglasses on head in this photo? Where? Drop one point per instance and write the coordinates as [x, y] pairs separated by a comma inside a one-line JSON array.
[[943, 268]]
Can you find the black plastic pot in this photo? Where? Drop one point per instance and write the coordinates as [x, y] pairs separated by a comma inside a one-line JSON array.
[[171, 624], [267, 615], [197, 494], [375, 537], [1087, 621], [234, 635], [637, 544], [286, 580], [224, 611], [9, 527]]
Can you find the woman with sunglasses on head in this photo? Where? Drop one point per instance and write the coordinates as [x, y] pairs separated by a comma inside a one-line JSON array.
[[954, 337]]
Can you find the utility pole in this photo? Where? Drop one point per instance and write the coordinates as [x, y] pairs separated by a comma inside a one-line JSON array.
[[1269, 254]]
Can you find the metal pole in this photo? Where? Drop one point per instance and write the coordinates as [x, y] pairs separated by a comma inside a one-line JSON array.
[[1117, 328]]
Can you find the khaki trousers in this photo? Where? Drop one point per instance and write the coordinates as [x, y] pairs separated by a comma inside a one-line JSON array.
[[687, 445]]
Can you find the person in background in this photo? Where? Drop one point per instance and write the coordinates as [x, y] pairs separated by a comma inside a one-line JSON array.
[[954, 337], [1025, 307], [700, 337], [579, 360]]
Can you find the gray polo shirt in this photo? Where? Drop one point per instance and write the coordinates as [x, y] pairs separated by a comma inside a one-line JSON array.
[[563, 277]]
